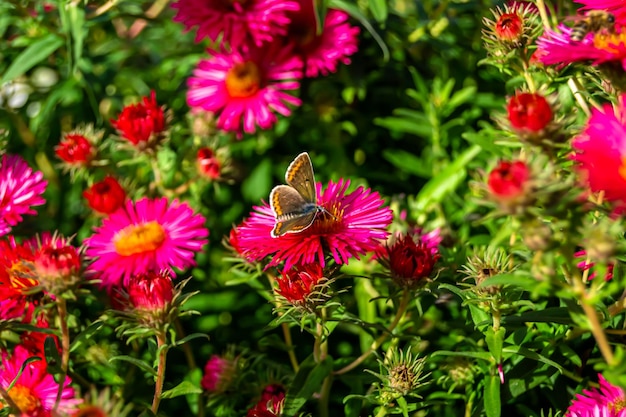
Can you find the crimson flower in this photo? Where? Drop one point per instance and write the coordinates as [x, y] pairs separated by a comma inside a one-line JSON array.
[[410, 261], [75, 149], [529, 112], [298, 284], [218, 374], [105, 196], [509, 27], [208, 164], [150, 291], [142, 124], [508, 181]]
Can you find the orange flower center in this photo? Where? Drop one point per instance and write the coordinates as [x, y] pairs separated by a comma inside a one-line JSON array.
[[622, 169], [329, 219], [243, 80], [24, 398], [142, 238], [610, 42]]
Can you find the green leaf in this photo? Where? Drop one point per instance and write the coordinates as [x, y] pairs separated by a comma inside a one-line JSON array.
[[495, 341], [379, 10], [408, 162], [19, 373], [445, 182], [53, 357], [492, 396], [354, 11], [559, 315], [191, 337], [476, 355], [532, 355], [257, 185], [514, 280], [184, 388], [138, 363], [403, 406], [31, 56], [307, 381]]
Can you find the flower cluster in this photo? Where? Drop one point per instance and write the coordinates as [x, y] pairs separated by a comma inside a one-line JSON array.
[[272, 44]]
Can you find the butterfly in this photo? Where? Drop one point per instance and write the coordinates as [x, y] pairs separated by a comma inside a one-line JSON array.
[[295, 205]]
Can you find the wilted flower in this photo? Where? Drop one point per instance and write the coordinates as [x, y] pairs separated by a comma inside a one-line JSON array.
[[142, 124], [20, 190], [351, 225], [105, 196], [34, 391], [245, 88], [607, 401], [218, 374], [147, 235], [601, 152], [260, 20], [403, 374]]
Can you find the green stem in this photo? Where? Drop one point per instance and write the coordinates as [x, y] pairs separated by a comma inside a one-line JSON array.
[[158, 387], [404, 302], [382, 412], [65, 347]]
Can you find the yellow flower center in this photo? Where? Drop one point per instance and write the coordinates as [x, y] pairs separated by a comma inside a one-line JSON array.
[[328, 219], [243, 80], [617, 406], [141, 238], [24, 398], [610, 42]]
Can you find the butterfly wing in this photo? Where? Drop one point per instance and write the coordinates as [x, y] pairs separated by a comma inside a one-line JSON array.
[[293, 214], [300, 176]]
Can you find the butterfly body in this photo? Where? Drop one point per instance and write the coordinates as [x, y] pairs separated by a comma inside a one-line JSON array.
[[295, 205]]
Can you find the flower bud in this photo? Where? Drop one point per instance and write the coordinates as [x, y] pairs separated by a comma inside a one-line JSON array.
[[218, 374], [529, 112], [105, 196], [409, 262], [75, 149], [508, 183], [151, 291], [208, 164], [142, 124], [57, 265]]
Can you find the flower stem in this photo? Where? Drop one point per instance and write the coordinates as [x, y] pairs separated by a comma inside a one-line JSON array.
[[289, 343], [382, 412], [404, 302], [158, 387], [65, 347]]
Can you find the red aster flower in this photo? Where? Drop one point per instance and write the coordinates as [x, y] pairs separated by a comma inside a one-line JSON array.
[[142, 124], [151, 291], [529, 112], [509, 27], [57, 264], [105, 196], [75, 149], [410, 261], [18, 283], [509, 181], [298, 285], [208, 164], [271, 402]]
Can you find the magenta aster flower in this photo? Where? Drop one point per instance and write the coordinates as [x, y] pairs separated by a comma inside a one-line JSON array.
[[246, 89], [354, 224], [35, 391], [260, 20], [617, 7], [322, 53], [218, 374], [557, 47], [601, 151], [20, 189], [149, 235], [608, 401]]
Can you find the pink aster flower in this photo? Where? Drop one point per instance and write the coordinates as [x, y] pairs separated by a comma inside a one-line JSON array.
[[248, 88], [219, 373], [601, 151], [557, 47], [322, 53], [617, 7], [143, 236], [20, 189], [608, 401], [260, 20], [35, 391], [354, 224]]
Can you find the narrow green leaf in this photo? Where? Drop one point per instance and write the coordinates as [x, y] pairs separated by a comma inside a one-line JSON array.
[[400, 124], [516, 280], [403, 406], [476, 355], [307, 381], [532, 355], [379, 10], [184, 388], [559, 315], [77, 28], [138, 363], [495, 341], [445, 182], [19, 373], [408, 162], [492, 396], [356, 13], [31, 56], [191, 337]]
